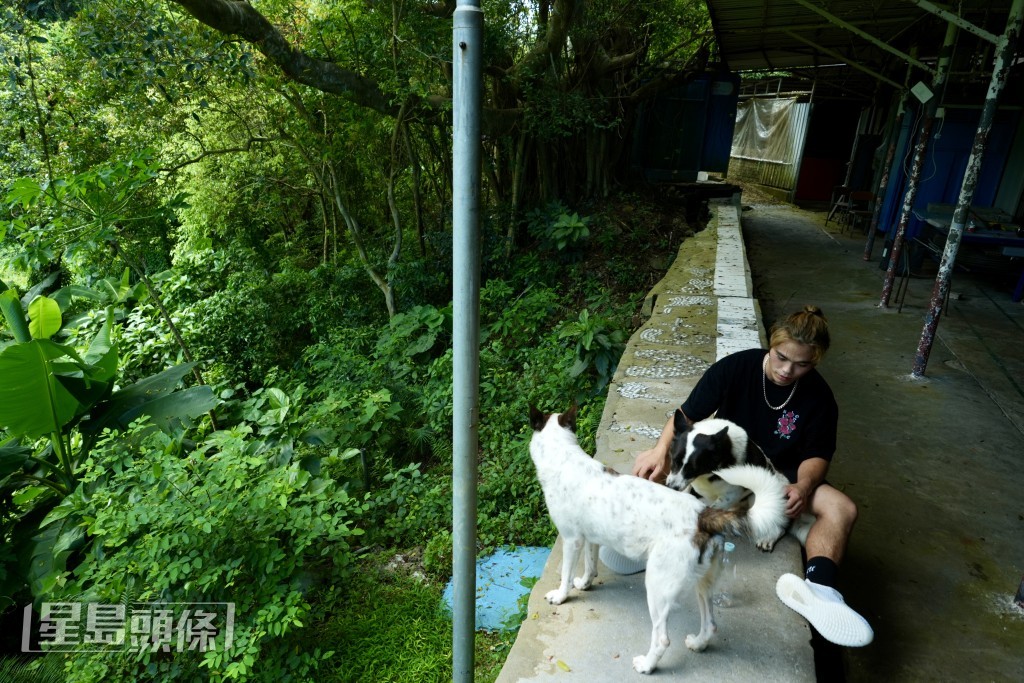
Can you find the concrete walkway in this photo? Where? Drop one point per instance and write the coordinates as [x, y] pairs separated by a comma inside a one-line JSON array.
[[702, 310], [935, 465]]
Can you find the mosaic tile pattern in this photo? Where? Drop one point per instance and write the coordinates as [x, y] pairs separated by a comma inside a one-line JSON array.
[[699, 285], [721, 291], [688, 301], [634, 390], [641, 429], [651, 335], [684, 366], [676, 335]]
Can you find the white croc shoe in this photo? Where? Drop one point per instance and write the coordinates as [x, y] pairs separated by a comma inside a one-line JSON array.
[[619, 563], [826, 611]]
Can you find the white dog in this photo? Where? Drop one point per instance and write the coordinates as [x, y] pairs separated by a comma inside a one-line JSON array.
[[677, 534]]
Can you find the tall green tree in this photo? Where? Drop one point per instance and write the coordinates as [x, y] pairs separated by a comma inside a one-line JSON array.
[[326, 126]]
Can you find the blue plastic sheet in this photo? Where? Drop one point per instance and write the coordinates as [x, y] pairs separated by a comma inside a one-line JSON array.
[[500, 580]]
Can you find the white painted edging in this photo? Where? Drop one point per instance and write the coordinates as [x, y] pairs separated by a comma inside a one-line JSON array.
[[738, 327]]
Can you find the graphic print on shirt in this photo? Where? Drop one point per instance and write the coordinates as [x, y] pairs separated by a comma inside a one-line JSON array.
[[787, 424]]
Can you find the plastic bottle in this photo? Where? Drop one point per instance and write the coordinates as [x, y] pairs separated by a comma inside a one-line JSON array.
[[727, 578]]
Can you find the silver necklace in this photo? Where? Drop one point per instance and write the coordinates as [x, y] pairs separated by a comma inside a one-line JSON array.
[[764, 387]]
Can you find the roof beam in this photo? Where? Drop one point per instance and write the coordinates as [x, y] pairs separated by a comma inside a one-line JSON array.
[[843, 58], [866, 36], [955, 19], [815, 26], [838, 86]]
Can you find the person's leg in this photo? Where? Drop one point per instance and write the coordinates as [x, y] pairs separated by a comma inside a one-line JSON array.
[[815, 597], [835, 515]]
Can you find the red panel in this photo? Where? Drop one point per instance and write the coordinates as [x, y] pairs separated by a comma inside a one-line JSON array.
[[817, 178]]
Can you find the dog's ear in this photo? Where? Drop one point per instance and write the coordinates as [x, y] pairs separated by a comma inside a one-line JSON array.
[[537, 418], [568, 418], [722, 435], [679, 421]]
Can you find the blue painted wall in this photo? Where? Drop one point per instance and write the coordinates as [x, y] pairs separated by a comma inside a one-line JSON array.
[[687, 129], [945, 163]]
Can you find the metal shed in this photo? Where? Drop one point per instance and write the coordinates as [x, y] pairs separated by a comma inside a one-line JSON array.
[[909, 68]]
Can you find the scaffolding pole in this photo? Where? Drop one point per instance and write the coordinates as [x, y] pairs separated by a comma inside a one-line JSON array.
[[914, 179], [1005, 48], [890, 154], [467, 52]]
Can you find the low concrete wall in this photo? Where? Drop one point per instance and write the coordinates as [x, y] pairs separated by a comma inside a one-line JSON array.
[[701, 310]]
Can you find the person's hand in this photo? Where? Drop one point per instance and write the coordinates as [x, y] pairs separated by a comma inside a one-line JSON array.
[[796, 500], [652, 464]]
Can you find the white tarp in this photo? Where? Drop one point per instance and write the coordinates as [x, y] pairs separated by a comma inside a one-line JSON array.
[[764, 130]]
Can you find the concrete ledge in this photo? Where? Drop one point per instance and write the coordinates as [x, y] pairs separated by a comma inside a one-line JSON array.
[[701, 310]]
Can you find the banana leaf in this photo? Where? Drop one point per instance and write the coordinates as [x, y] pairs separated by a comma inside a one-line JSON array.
[[153, 396], [32, 402]]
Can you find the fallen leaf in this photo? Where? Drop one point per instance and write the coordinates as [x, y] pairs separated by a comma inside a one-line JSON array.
[[563, 666]]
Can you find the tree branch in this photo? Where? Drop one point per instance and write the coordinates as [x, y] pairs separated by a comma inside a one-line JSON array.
[[238, 17], [550, 46], [247, 147]]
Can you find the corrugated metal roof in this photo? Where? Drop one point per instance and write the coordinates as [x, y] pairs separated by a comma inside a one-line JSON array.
[[824, 49]]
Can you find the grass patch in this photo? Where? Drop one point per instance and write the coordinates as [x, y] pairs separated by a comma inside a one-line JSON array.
[[387, 626], [491, 652], [391, 626]]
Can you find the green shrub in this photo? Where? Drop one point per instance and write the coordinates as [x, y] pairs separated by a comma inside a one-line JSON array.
[[236, 520], [437, 556], [558, 230], [409, 508], [599, 345]]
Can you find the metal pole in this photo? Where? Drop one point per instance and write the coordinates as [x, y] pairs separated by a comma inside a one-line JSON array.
[[890, 154], [955, 19], [914, 178], [1005, 47], [883, 182], [467, 52]]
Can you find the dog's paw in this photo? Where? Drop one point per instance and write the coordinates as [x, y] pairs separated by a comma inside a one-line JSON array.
[[767, 546], [582, 583], [696, 643], [557, 596], [641, 665]]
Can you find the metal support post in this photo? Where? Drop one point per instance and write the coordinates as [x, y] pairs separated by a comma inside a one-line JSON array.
[[913, 181], [467, 52], [1005, 47], [890, 154]]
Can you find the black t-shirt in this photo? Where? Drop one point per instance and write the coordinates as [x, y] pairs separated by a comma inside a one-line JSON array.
[[805, 428]]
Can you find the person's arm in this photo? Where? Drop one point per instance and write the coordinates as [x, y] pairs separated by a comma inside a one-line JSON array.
[[654, 463], [809, 476]]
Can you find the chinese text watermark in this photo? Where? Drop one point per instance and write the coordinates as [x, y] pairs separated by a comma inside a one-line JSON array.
[[149, 626]]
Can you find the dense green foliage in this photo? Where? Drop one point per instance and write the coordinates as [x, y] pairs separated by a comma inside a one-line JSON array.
[[225, 287]]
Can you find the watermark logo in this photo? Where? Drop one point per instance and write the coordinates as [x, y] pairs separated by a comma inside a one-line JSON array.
[[140, 626]]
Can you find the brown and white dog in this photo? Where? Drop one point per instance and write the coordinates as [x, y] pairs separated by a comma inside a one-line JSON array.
[[697, 452], [678, 535]]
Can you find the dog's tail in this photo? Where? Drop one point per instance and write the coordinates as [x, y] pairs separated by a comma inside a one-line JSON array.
[[761, 519]]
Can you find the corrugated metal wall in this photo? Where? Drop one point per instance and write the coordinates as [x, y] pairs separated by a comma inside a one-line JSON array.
[[782, 169]]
